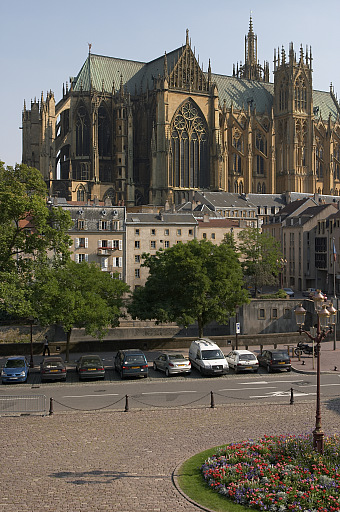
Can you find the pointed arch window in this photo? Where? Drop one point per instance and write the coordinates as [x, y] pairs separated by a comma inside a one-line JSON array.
[[336, 160], [237, 164], [189, 148], [82, 132], [261, 142], [104, 132], [300, 94], [283, 95], [301, 134], [81, 194], [319, 161]]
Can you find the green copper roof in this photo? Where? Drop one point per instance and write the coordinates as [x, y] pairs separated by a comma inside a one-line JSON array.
[[107, 72]]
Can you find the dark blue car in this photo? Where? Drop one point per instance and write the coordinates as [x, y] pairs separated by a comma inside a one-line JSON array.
[[16, 369]]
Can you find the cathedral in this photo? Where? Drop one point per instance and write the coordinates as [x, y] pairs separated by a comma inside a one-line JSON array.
[[134, 133]]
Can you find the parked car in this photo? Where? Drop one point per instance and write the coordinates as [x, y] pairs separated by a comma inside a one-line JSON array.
[[16, 369], [277, 359], [52, 368], [207, 357], [90, 367], [131, 363], [289, 292], [242, 360], [172, 364], [309, 292]]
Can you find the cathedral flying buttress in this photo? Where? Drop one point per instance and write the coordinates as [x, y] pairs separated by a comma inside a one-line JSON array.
[[153, 132]]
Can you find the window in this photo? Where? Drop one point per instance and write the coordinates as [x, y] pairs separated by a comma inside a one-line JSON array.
[[137, 244], [274, 313], [166, 232], [179, 232], [117, 244], [189, 148], [190, 232], [261, 314], [137, 273], [137, 258], [153, 232], [81, 257], [153, 244], [104, 244], [137, 232], [204, 235], [117, 262], [81, 242], [213, 236], [166, 244], [81, 224], [104, 225]]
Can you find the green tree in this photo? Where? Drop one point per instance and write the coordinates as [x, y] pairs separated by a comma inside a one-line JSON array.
[[30, 233], [261, 257], [78, 295], [195, 281]]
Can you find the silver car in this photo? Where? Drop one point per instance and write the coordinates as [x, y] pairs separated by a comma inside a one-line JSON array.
[[172, 364], [242, 361]]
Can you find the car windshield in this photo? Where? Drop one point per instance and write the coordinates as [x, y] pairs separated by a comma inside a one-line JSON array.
[[280, 355], [90, 361], [134, 359], [172, 357], [15, 363], [212, 354], [247, 357]]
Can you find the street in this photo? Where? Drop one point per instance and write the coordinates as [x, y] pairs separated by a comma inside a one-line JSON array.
[[178, 391]]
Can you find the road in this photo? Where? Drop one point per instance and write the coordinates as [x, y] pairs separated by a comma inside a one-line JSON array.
[[179, 391]]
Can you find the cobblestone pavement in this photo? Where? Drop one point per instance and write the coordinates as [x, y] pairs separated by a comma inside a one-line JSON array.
[[123, 461]]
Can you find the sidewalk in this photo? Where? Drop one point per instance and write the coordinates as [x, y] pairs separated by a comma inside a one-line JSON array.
[[329, 359]]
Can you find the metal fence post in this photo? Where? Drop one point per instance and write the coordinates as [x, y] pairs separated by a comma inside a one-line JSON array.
[[126, 403], [291, 396], [212, 401], [51, 406]]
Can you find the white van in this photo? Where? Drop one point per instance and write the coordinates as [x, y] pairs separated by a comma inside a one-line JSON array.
[[207, 357]]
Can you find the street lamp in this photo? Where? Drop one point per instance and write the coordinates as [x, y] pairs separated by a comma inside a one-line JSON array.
[[326, 320]]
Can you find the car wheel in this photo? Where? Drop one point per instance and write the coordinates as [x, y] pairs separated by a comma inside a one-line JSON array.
[[269, 368], [289, 369], [235, 369], [154, 366], [201, 371], [167, 372]]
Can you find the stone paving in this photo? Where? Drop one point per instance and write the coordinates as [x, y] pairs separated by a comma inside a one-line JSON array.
[[123, 461]]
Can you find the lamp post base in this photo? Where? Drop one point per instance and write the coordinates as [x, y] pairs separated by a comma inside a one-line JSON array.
[[318, 439]]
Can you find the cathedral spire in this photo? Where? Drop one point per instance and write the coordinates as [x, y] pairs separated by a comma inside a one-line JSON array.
[[251, 69]]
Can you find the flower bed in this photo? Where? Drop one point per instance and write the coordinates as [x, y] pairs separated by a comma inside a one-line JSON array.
[[277, 474]]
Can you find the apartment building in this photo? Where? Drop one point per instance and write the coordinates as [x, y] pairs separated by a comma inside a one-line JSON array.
[[98, 234]]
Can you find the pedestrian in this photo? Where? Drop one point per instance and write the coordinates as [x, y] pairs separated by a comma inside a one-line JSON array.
[[46, 347]]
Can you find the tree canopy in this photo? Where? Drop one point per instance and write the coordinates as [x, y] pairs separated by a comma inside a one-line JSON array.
[[78, 295], [261, 257], [30, 233], [195, 281]]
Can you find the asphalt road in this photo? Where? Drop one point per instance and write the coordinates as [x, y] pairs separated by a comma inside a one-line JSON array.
[[179, 391]]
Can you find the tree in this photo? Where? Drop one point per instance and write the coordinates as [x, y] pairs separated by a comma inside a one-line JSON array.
[[30, 233], [262, 257], [195, 281], [78, 295]]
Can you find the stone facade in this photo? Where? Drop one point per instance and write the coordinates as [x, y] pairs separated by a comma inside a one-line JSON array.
[[147, 133]]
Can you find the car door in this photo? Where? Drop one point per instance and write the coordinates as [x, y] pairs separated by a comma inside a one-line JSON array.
[[231, 359], [162, 362]]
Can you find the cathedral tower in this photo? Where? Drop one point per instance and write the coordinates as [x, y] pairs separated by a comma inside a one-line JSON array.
[[293, 111]]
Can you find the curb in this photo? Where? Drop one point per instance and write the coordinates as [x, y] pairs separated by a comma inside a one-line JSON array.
[[174, 479]]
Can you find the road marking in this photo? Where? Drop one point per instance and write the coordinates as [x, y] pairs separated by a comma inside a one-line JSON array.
[[85, 396], [239, 389], [321, 385], [256, 382], [167, 392], [278, 394]]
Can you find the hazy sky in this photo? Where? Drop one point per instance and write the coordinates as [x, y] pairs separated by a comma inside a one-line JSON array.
[[43, 43]]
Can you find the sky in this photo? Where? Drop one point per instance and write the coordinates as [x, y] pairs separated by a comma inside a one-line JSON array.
[[44, 43]]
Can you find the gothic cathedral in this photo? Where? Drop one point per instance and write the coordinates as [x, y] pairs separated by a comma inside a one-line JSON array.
[[145, 133]]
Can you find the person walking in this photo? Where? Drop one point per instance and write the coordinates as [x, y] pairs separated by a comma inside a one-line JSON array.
[[46, 347]]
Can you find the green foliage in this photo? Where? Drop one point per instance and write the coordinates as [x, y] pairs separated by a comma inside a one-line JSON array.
[[30, 232], [78, 295], [262, 257], [196, 281]]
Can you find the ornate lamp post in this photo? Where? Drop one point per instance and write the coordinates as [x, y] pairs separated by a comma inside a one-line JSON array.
[[326, 318]]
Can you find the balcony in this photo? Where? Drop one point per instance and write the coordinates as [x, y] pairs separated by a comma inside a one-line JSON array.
[[105, 251]]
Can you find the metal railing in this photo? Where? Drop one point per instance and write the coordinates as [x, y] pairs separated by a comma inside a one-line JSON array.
[[22, 404]]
